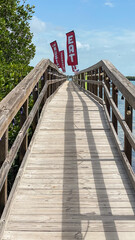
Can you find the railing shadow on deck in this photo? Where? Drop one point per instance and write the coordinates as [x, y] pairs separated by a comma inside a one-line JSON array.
[[71, 221], [98, 192], [104, 82], [77, 229]]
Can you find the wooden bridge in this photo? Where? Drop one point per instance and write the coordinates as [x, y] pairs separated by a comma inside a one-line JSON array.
[[75, 179]]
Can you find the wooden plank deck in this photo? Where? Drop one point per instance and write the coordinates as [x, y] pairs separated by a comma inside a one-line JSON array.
[[73, 184]]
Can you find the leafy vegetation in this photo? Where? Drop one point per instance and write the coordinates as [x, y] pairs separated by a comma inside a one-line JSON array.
[[16, 51], [131, 78], [16, 47]]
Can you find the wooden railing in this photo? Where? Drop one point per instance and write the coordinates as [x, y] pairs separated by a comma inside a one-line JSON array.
[[104, 82], [40, 85]]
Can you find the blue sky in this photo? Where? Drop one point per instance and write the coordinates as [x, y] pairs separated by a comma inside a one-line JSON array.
[[105, 29]]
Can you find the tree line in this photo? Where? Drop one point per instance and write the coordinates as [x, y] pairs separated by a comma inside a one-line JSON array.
[[131, 78], [16, 47], [16, 51]]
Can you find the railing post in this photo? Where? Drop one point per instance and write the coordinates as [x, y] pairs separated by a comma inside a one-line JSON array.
[[42, 81], [56, 82], [3, 155], [95, 86], [100, 79], [128, 119], [53, 84], [24, 115], [76, 78], [88, 78], [107, 82], [59, 81], [93, 78], [79, 79], [115, 99], [35, 97], [83, 83], [49, 86], [45, 76]]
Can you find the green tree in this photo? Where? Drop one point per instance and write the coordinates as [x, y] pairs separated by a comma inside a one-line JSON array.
[[15, 36], [16, 51], [16, 47]]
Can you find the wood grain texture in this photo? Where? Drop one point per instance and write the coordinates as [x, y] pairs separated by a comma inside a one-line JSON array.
[[73, 184]]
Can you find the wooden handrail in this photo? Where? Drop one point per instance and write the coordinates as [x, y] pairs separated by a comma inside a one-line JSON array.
[[121, 82], [104, 75], [13, 102]]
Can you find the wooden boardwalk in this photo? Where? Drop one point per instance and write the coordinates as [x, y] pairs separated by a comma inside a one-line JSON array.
[[73, 184]]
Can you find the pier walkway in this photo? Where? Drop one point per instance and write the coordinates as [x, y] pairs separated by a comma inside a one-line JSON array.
[[72, 183]]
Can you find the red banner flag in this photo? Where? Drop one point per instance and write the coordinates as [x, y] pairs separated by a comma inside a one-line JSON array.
[[71, 49], [55, 49], [74, 68], [62, 56]]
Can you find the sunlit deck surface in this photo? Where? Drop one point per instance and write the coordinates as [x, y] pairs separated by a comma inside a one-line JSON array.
[[73, 184]]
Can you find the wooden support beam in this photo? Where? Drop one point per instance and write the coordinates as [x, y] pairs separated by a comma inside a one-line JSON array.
[[120, 119], [3, 154], [79, 80], [56, 84], [107, 81], [51, 86], [129, 120], [42, 81], [93, 78], [88, 78], [96, 86], [54, 88], [100, 79], [23, 117], [83, 83], [45, 75], [48, 89], [35, 97], [115, 99]]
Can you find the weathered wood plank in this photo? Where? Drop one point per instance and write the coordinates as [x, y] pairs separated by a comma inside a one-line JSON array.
[[39, 214], [21, 235], [120, 206], [74, 225]]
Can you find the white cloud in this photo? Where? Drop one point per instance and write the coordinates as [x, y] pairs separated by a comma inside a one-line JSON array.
[[82, 46], [92, 46], [109, 45], [37, 25], [109, 4]]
